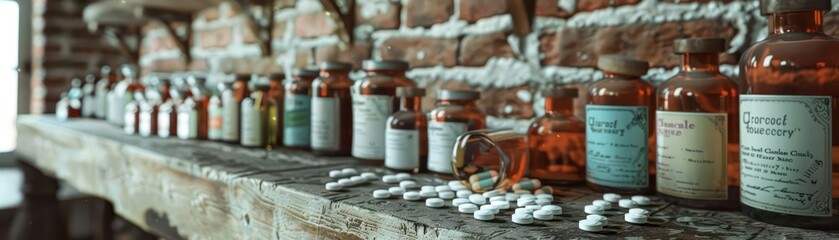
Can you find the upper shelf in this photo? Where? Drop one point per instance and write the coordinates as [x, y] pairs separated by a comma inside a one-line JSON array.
[[114, 13], [177, 5]]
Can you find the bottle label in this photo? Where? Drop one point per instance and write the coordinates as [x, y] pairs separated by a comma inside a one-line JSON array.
[[692, 154], [441, 140], [326, 123], [402, 148], [617, 146], [216, 118], [188, 124], [230, 117], [370, 113], [163, 125], [128, 122], [785, 153], [145, 124], [251, 124], [101, 100], [296, 120]]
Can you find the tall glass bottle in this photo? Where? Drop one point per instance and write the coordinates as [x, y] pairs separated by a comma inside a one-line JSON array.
[[167, 113], [456, 113], [557, 140], [193, 114], [297, 109], [105, 85], [89, 98], [696, 131], [619, 128], [231, 101], [332, 110], [406, 145], [215, 112], [124, 93], [276, 91], [259, 118], [156, 94], [788, 134]]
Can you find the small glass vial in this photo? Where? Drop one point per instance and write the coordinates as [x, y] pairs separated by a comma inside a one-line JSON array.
[[215, 112], [297, 110], [231, 101], [124, 93], [103, 86], [374, 100], [89, 98], [75, 96], [696, 131], [276, 91], [259, 118], [557, 140], [789, 139], [67, 108], [192, 114], [167, 113], [406, 146], [457, 112], [619, 121], [485, 160], [332, 110]]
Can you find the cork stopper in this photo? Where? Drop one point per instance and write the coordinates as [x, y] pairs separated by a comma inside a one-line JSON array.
[[458, 95], [623, 65], [699, 45], [385, 65], [335, 65], [560, 92], [410, 92], [305, 72], [780, 6]]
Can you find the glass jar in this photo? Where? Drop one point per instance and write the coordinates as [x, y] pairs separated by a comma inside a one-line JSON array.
[[259, 118], [103, 86], [697, 137], [124, 93], [557, 140], [231, 101], [456, 113], [788, 134], [406, 145], [374, 99], [215, 112], [485, 160], [89, 96], [332, 110], [619, 118], [297, 109], [193, 114], [276, 91]]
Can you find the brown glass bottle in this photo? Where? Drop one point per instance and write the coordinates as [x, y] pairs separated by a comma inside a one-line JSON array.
[[297, 107], [332, 110], [103, 86], [193, 114], [89, 96], [374, 99], [406, 136], [276, 91], [456, 113], [697, 133], [620, 128], [788, 119], [259, 118], [557, 140], [231, 101]]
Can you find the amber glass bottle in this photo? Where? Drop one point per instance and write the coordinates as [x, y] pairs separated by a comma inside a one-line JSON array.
[[105, 85], [619, 128], [406, 136], [697, 140], [456, 113], [557, 140], [374, 99], [788, 134], [231, 101], [89, 96], [297, 109], [193, 114], [276, 91], [259, 118], [332, 110]]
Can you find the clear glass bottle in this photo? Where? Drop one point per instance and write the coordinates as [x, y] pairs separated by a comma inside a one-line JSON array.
[[156, 94], [123, 93], [374, 99], [215, 112], [259, 118], [332, 110], [131, 122], [788, 134], [231, 101], [696, 131], [297, 109], [406, 145], [456, 113], [193, 114], [619, 117], [557, 140], [89, 96], [276, 91], [485, 160], [167, 113], [103, 86]]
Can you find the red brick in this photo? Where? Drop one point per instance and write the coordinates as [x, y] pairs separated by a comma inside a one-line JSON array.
[[199, 65], [421, 52], [591, 5], [475, 50], [211, 14], [257, 65], [216, 38], [380, 15], [313, 25], [167, 65], [359, 52], [549, 8], [472, 10], [424, 13], [248, 36]]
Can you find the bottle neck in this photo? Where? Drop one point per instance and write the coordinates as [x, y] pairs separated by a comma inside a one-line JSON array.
[[701, 62], [560, 105], [411, 104], [787, 22]]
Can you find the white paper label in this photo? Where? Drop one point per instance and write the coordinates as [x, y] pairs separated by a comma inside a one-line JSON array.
[[402, 148], [145, 124], [785, 154], [692, 154], [216, 120], [297, 120], [188, 124], [370, 114], [163, 125], [129, 123], [230, 117], [441, 139], [326, 123], [251, 125]]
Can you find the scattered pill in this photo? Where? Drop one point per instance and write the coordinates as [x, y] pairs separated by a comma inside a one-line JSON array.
[[442, 188], [641, 200], [557, 210], [434, 202], [500, 204], [446, 195], [529, 184], [349, 171], [346, 182], [457, 187], [627, 203], [483, 175], [542, 201], [483, 215], [639, 211], [545, 196], [396, 190], [390, 179], [464, 193], [428, 193], [599, 218], [533, 207], [543, 214], [497, 198], [492, 193], [523, 211], [590, 226], [336, 174], [525, 202], [381, 193], [427, 188], [519, 218], [602, 203], [411, 196], [511, 196], [403, 176], [333, 186], [358, 179], [484, 184], [477, 199], [592, 209], [635, 218], [544, 190], [612, 197], [459, 201], [527, 196], [408, 184], [467, 208], [490, 207], [369, 176]]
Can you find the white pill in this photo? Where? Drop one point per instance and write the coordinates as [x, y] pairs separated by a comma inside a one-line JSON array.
[[492, 193], [333, 186], [592, 209], [501, 204], [523, 211], [408, 184], [458, 188], [446, 195], [511, 196], [477, 199], [396, 190], [467, 208], [525, 202], [434, 202], [590, 226], [497, 198], [612, 197], [336, 173], [639, 211], [484, 215], [545, 196], [635, 218], [442, 188], [464, 193], [358, 180], [428, 194], [459, 201], [492, 208], [520, 218], [542, 201], [602, 203], [527, 196], [346, 182], [599, 218], [349, 171], [411, 196], [428, 188], [403, 176], [557, 210], [543, 215], [390, 179], [369, 176], [533, 207], [627, 203], [381, 193], [641, 200]]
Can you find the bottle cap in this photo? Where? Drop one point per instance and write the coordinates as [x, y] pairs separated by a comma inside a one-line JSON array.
[[780, 6], [560, 92], [105, 70], [90, 77], [410, 92], [458, 95], [305, 72], [385, 65], [623, 65], [243, 77], [699, 45], [76, 82], [335, 65]]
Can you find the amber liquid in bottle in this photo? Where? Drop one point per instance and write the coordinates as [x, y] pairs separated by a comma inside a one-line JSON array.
[[380, 84], [332, 137], [259, 119], [797, 59], [409, 118], [557, 144], [443, 130], [701, 88], [276, 91]]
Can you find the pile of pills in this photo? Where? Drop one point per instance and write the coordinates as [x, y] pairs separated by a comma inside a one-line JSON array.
[[595, 221]]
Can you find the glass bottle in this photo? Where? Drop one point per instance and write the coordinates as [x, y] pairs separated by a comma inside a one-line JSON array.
[[167, 113], [231, 100], [406, 145], [89, 96], [103, 86], [485, 160], [132, 116], [124, 93], [62, 108], [696, 131], [619, 119], [788, 134], [374, 99], [215, 112], [70, 105], [259, 118], [557, 140], [276, 91], [156, 94], [297, 109], [332, 110], [456, 113], [192, 114]]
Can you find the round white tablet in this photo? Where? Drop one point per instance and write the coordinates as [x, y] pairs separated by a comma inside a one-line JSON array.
[[533, 207], [590, 226], [381, 194], [627, 203], [358, 179], [434, 202], [639, 211], [477, 199], [442, 188], [497, 198], [484, 215], [467, 208], [511, 196], [525, 202], [557, 210], [490, 207], [464, 193], [527, 196], [336, 173], [396, 190], [500, 204], [390, 179], [545, 196], [543, 214], [641, 200], [542, 201], [333, 186], [599, 218], [428, 193], [349, 171], [523, 211], [411, 196], [446, 195], [635, 218], [369, 176], [612, 197], [602, 203], [520, 218], [492, 193], [459, 201], [427, 188], [403, 176], [592, 209], [408, 184], [346, 182]]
